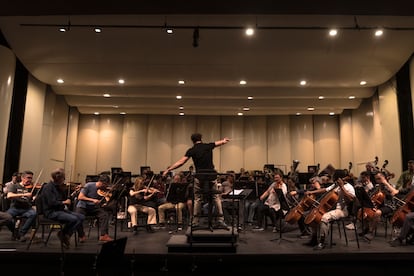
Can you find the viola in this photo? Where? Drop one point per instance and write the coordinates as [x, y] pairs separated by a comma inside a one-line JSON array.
[[326, 203], [407, 207], [297, 212]]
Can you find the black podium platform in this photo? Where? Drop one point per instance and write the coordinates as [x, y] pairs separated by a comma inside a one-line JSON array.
[[220, 240]]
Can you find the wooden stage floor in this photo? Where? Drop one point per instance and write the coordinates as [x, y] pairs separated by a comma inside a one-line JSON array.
[[255, 252]]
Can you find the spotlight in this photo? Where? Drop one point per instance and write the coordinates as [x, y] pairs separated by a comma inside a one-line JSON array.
[[196, 36]]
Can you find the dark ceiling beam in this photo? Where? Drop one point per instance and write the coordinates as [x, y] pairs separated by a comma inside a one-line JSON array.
[[65, 7]]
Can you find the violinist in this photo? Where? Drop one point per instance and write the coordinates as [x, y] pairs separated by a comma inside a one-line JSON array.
[[270, 204], [89, 204], [55, 207], [140, 201], [21, 204], [345, 194]]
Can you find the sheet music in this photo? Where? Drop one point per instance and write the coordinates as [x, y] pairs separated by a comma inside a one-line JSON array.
[[236, 192]]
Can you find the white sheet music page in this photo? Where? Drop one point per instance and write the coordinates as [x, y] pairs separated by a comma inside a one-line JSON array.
[[236, 192]]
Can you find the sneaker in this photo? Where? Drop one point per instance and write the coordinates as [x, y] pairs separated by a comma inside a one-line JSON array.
[[257, 229], [319, 246], [105, 238], [222, 225], [350, 226], [274, 230], [369, 236]]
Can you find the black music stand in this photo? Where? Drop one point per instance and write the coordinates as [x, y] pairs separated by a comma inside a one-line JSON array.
[[176, 193], [364, 202], [284, 206]]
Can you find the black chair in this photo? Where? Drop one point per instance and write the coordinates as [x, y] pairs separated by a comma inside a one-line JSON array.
[[341, 223], [43, 222]]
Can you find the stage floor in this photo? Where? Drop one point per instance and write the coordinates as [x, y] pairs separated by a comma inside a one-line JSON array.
[[255, 252]]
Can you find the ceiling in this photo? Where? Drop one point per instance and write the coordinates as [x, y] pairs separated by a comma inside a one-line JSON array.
[[288, 46]]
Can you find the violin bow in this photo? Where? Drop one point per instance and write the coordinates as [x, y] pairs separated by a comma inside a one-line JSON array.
[[37, 180]]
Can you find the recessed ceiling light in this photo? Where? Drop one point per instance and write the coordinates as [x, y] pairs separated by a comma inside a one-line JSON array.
[[351, 97], [362, 82], [310, 108], [62, 29], [242, 82], [321, 97], [379, 32], [98, 30], [122, 113], [250, 98], [60, 81], [181, 113], [246, 108], [249, 31], [302, 82], [298, 113], [169, 31], [115, 106], [121, 81], [96, 113], [178, 97], [331, 113], [333, 32], [181, 107], [106, 95], [181, 82], [240, 114]]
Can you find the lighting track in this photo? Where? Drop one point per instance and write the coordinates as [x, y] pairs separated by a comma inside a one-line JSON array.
[[208, 27]]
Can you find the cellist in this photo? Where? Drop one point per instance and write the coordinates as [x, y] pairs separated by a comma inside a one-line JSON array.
[[345, 194]]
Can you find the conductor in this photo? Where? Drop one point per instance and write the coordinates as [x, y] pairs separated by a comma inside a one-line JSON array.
[[202, 155]]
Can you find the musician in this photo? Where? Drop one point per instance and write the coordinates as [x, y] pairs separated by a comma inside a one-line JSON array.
[[407, 177], [346, 194], [55, 206], [179, 203], [397, 196], [364, 182], [271, 205], [202, 156], [405, 231], [21, 205], [89, 204], [140, 201], [316, 183]]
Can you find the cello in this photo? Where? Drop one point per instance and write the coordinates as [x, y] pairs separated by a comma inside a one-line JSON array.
[[326, 203], [407, 206], [297, 212]]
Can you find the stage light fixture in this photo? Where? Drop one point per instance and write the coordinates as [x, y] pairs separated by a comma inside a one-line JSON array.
[[196, 36]]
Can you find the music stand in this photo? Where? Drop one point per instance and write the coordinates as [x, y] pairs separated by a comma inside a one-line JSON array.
[[176, 193], [111, 256], [283, 206], [364, 201]]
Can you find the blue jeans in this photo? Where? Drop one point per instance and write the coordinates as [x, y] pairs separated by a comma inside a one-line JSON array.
[[72, 221], [28, 214]]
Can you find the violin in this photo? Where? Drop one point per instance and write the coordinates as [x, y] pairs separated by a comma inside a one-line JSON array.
[[297, 212], [407, 206]]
